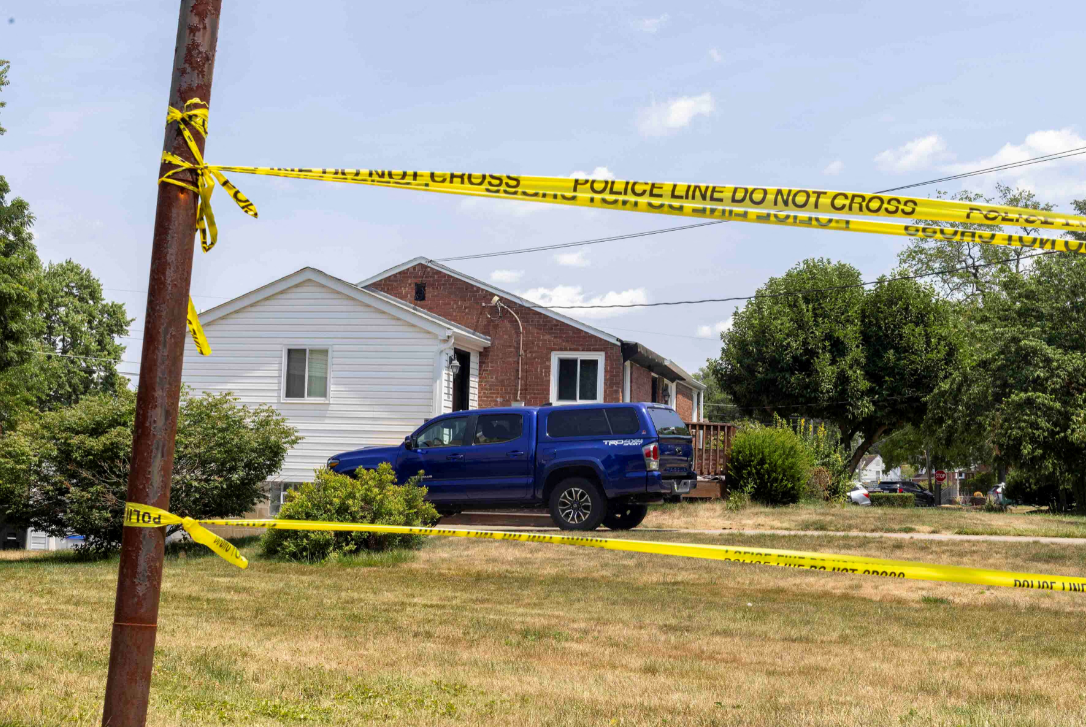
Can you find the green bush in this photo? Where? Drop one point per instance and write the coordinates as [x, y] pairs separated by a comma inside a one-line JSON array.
[[1026, 488], [819, 481], [770, 464], [371, 496], [983, 481], [66, 471], [893, 499]]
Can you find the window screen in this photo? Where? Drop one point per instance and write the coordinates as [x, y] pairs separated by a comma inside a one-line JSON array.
[[495, 428], [623, 421], [307, 373], [590, 369], [567, 379], [296, 373], [577, 423]]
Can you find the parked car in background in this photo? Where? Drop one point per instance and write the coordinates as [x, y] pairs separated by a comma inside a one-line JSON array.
[[923, 497], [859, 495], [996, 494]]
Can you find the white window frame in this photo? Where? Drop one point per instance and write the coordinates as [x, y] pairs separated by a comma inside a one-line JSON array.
[[283, 377], [599, 356]]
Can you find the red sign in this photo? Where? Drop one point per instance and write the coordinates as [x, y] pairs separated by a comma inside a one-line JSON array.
[[940, 476]]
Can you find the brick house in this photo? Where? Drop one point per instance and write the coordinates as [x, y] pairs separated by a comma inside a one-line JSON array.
[[562, 360]]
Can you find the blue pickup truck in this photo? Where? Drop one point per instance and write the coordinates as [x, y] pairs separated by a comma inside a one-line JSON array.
[[590, 464]]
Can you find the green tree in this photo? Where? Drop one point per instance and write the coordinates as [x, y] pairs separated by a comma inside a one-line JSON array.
[[718, 405], [67, 470], [20, 326], [81, 326], [1021, 391], [815, 343], [5, 66], [967, 270]]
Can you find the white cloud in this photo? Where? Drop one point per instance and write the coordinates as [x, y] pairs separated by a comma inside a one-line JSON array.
[[506, 276], [573, 259], [569, 295], [834, 168], [677, 113], [597, 173], [1039, 143], [714, 330], [921, 153], [651, 25], [715, 55]]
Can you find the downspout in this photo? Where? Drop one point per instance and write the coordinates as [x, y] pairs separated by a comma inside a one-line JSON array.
[[520, 345]]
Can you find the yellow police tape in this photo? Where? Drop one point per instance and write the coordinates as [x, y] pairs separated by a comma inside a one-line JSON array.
[[146, 516], [662, 194], [197, 331], [782, 206]]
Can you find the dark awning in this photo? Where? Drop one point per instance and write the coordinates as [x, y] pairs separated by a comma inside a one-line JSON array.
[[649, 359]]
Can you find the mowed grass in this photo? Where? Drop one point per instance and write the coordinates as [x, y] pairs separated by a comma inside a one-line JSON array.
[[714, 515], [468, 632]]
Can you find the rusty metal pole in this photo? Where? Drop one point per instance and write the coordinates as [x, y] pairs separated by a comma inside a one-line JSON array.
[[135, 619]]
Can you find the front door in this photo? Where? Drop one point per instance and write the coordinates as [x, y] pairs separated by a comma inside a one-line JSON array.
[[461, 383], [441, 449], [497, 461]]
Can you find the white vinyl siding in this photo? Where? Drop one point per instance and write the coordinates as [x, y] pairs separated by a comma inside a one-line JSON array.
[[473, 382], [381, 377]]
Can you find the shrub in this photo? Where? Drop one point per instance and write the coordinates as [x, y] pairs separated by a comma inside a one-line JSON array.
[[371, 496], [66, 471], [893, 499], [819, 481], [983, 481], [770, 464], [826, 453], [1026, 488]]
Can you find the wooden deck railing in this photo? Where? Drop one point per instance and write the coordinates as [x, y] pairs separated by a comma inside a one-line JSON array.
[[712, 444]]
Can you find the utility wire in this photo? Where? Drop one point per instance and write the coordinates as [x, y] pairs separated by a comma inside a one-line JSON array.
[[796, 292], [561, 245], [1001, 167]]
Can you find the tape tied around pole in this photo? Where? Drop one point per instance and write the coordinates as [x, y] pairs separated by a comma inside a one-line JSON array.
[[146, 516]]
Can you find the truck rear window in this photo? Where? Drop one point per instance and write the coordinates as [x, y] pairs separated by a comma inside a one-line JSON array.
[[577, 423], [668, 423]]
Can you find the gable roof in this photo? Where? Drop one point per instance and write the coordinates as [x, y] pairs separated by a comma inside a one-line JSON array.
[[489, 288], [386, 303]]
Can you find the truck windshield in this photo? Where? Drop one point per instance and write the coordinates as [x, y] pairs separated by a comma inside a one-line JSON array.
[[668, 423]]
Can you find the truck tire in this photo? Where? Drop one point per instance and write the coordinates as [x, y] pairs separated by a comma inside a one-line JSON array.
[[625, 515], [577, 504]]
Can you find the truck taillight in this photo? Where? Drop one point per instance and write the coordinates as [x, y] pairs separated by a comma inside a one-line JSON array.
[[652, 457]]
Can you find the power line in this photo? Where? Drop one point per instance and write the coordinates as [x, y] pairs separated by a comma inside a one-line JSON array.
[[1001, 167], [737, 298], [560, 245]]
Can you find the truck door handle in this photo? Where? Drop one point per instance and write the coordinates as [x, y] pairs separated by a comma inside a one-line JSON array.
[[516, 453], [455, 456]]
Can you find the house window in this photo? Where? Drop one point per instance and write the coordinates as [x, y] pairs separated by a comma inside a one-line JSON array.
[[420, 291], [306, 374], [576, 377]]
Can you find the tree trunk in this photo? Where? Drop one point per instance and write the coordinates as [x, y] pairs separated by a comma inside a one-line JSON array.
[[864, 446], [1078, 489], [938, 489]]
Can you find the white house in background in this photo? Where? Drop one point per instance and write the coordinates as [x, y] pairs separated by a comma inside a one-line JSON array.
[[870, 470], [281, 344]]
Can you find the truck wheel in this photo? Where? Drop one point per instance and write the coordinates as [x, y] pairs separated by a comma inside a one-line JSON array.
[[577, 504], [625, 516]]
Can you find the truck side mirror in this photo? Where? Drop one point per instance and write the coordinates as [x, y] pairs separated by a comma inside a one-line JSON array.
[[408, 442]]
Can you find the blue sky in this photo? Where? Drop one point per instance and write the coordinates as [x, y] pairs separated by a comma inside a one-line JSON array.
[[838, 95]]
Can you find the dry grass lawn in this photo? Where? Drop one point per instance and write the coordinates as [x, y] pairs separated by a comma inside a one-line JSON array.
[[492, 633], [714, 515]]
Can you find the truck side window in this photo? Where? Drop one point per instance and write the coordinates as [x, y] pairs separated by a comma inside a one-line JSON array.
[[496, 428], [623, 420], [445, 433], [578, 423]]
